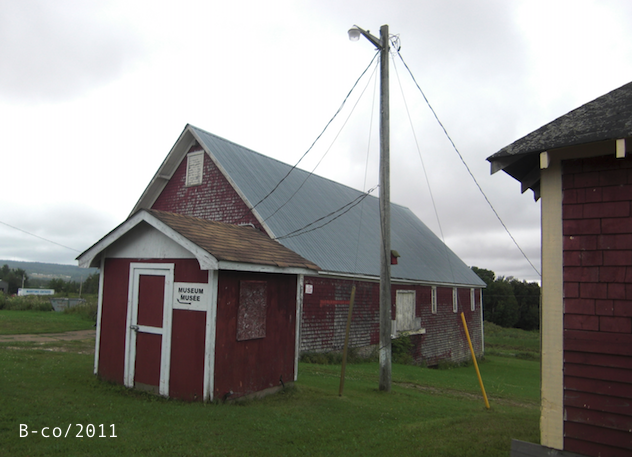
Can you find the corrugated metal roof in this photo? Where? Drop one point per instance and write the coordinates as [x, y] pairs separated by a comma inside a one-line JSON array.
[[348, 244]]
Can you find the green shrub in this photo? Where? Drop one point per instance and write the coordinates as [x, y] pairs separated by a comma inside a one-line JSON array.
[[335, 357], [401, 350], [87, 310], [25, 303]]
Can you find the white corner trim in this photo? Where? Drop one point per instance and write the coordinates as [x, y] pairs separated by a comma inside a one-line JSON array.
[[97, 339], [620, 154], [299, 315], [209, 341], [552, 316]]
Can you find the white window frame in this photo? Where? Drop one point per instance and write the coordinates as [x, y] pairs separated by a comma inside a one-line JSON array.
[[455, 300], [433, 300], [472, 299]]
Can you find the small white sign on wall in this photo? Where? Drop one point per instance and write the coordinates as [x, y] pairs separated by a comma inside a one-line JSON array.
[[193, 296]]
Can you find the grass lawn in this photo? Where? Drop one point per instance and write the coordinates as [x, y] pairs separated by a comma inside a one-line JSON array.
[[16, 322], [511, 341], [429, 412]]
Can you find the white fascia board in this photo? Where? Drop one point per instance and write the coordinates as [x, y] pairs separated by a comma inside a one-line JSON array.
[[206, 260], [234, 185], [256, 268]]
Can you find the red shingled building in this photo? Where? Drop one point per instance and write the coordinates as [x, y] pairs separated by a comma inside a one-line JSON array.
[[300, 216], [579, 165]]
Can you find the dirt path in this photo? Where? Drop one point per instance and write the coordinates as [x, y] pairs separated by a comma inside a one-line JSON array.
[[50, 337]]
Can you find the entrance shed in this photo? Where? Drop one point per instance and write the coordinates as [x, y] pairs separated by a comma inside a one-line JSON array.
[[196, 309]]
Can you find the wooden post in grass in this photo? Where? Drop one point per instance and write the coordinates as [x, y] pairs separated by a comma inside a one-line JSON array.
[[346, 347], [478, 373]]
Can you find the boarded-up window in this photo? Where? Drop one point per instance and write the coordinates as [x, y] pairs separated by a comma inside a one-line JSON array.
[[195, 168], [251, 315], [405, 311]]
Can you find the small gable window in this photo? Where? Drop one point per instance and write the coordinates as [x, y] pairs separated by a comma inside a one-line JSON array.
[[195, 168]]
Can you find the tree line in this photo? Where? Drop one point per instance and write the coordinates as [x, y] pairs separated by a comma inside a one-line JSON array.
[[17, 278], [14, 277], [509, 302]]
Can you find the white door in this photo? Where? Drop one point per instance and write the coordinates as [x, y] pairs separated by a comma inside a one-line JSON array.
[[148, 339], [405, 319]]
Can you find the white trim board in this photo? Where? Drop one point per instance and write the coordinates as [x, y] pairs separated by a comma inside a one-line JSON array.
[[209, 341]]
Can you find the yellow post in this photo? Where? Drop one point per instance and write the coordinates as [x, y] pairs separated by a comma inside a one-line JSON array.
[[344, 351], [478, 373]]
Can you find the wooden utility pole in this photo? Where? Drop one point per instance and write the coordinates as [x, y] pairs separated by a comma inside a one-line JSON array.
[[385, 217], [385, 203]]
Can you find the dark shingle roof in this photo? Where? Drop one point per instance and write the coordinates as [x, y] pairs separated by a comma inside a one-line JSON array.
[[233, 243], [608, 117]]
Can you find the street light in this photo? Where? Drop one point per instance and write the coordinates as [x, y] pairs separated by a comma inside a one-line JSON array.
[[385, 203], [354, 34]]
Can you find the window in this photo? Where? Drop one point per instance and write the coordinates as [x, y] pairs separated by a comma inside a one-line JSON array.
[[251, 314], [472, 299], [405, 319], [433, 300], [455, 300], [195, 168]]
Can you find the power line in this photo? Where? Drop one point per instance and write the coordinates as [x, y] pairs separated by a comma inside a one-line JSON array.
[[423, 166], [321, 133], [349, 206], [309, 175], [467, 167], [37, 236]]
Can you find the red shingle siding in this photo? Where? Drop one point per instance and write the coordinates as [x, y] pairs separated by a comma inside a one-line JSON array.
[[325, 313], [215, 199], [445, 337], [597, 224]]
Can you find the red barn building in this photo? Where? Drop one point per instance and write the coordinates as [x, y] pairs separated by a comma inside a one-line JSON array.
[[207, 178], [580, 168]]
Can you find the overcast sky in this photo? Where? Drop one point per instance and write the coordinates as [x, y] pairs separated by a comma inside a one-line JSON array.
[[94, 94]]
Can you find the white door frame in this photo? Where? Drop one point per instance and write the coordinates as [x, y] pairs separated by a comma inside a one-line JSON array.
[[132, 327]]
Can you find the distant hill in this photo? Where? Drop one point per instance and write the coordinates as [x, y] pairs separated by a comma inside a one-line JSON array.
[[39, 270]]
